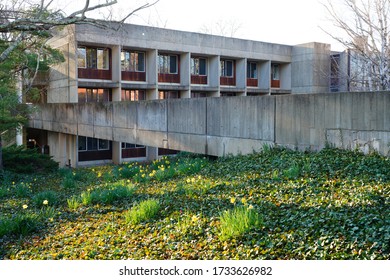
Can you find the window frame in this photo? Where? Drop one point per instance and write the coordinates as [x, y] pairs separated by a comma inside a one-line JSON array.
[[275, 72], [251, 71], [97, 58], [224, 68], [196, 66], [165, 64], [133, 61]]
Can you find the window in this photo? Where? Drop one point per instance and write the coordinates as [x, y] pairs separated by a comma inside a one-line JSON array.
[[92, 144], [133, 95], [275, 72], [81, 58], [94, 95], [93, 58], [227, 68], [167, 64], [198, 66], [133, 61], [251, 71], [82, 143], [131, 146], [168, 95]]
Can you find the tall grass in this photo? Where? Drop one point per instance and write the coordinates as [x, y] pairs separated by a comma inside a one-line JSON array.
[[236, 222], [143, 211], [105, 195]]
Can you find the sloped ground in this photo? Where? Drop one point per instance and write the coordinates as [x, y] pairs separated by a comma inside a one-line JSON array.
[[328, 205]]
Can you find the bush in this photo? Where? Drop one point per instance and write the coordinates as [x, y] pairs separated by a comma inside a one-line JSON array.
[[20, 224], [144, 211], [45, 198], [22, 160]]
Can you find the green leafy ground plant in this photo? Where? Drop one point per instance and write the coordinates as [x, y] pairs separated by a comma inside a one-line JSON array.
[[332, 204]]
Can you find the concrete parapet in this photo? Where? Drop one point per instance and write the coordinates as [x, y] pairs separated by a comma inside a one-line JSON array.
[[231, 125]]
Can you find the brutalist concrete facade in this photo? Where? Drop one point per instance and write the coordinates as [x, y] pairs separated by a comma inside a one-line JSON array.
[[274, 69]]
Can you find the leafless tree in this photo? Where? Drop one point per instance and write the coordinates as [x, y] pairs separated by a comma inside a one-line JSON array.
[[364, 26], [227, 28], [22, 19]]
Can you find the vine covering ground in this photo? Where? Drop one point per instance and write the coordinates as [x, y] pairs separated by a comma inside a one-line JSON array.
[[276, 204]]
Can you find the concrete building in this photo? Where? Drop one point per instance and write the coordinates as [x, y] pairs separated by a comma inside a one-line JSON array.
[[135, 63]]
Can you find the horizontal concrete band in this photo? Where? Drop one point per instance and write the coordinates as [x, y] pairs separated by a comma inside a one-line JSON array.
[[231, 125]]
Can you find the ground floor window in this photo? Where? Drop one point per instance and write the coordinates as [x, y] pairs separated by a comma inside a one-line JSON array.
[[93, 144]]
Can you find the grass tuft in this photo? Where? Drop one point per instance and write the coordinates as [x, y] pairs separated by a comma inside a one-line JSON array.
[[143, 211]]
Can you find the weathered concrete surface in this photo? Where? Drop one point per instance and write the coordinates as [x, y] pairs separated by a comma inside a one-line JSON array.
[[232, 125]]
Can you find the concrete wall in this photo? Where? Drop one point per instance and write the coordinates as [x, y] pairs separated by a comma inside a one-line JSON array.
[[233, 125]]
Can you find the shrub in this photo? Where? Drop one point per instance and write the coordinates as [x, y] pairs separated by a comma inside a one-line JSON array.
[[20, 224], [144, 211], [234, 223], [22, 160], [73, 203], [45, 198]]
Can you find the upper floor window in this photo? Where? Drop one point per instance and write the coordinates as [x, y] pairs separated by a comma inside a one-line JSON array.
[[251, 71], [275, 72], [167, 64], [227, 68], [94, 58], [133, 61], [198, 66]]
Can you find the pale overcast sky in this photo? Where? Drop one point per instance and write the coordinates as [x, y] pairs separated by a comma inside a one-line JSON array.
[[277, 21]]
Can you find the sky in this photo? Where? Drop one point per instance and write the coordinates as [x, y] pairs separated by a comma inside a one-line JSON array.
[[288, 22]]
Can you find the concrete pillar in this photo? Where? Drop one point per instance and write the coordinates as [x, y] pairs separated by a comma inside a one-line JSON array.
[[285, 76], [264, 72], [185, 69], [117, 152], [241, 74], [151, 153], [214, 74]]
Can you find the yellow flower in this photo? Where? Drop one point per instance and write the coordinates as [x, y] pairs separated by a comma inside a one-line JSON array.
[[25, 206], [45, 202], [194, 218], [243, 200], [199, 177], [193, 180], [250, 207], [188, 180], [232, 200], [99, 174], [143, 175]]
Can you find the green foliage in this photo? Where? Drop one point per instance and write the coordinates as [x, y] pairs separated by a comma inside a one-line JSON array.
[[237, 222], [107, 194], [276, 204], [20, 224], [22, 160], [144, 211], [44, 198]]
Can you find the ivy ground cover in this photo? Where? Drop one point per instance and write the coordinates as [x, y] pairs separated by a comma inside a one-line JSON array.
[[277, 204]]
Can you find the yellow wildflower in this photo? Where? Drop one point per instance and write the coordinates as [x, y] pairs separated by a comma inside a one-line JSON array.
[[194, 218], [45, 202], [25, 206], [193, 180], [243, 200], [232, 200]]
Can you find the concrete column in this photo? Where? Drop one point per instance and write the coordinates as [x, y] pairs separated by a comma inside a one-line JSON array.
[[214, 74], [117, 152], [285, 76], [116, 63], [241, 74], [264, 72], [151, 67]]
